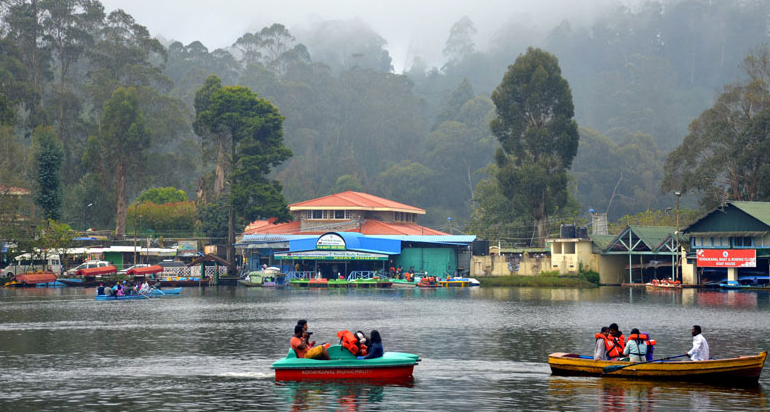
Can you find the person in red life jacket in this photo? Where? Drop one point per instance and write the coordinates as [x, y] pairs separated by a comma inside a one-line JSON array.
[[600, 349], [616, 342], [650, 346], [300, 345]]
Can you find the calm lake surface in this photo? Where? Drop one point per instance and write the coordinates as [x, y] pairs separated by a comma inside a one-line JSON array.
[[481, 348]]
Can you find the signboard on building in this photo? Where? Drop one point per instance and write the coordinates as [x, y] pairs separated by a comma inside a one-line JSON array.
[[727, 258], [330, 255], [187, 248], [330, 241]]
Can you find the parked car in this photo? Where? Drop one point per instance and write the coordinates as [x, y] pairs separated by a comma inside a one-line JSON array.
[[88, 265], [32, 263], [139, 265]]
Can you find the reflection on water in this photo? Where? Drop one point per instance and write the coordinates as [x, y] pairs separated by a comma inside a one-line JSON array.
[[731, 298], [619, 395], [482, 348], [339, 395]]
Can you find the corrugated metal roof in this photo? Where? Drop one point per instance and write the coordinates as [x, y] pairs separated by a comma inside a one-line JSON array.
[[602, 241], [652, 236], [757, 210], [274, 238], [356, 240], [432, 239]]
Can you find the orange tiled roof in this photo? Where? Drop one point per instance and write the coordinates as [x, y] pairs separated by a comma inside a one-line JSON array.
[[376, 227], [12, 190], [369, 227], [354, 201], [264, 227]]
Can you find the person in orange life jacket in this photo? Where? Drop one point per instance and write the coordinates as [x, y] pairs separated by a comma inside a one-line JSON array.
[[375, 346], [600, 349], [616, 342], [636, 347], [300, 345]]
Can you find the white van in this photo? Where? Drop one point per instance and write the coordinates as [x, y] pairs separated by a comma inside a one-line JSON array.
[[28, 263]]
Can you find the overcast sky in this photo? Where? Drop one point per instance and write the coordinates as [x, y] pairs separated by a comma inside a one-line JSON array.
[[411, 27]]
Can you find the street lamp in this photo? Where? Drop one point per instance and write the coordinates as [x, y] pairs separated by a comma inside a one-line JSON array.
[[85, 220], [135, 205], [678, 248]]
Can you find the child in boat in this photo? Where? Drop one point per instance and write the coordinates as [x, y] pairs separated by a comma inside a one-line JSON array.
[[375, 346]]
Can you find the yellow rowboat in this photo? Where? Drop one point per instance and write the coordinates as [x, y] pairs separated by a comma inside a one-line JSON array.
[[741, 371]]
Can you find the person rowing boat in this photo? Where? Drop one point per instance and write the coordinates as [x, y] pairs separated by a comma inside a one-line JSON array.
[[700, 348]]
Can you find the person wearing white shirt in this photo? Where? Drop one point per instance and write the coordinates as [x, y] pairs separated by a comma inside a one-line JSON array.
[[700, 348]]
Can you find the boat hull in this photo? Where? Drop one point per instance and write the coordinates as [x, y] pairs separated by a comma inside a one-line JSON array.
[[744, 370], [395, 373], [164, 292], [392, 366], [177, 283], [670, 287], [454, 283], [110, 298], [370, 283]]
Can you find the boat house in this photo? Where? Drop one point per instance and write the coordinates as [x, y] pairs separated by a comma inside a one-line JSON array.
[[353, 231], [731, 242]]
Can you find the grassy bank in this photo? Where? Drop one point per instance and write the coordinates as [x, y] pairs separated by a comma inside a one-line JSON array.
[[537, 281]]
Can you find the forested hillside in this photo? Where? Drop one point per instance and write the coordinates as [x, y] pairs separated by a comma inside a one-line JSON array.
[[638, 76]]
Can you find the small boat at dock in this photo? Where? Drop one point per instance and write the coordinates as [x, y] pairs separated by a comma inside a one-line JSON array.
[[267, 278], [40, 279], [740, 371], [663, 284], [734, 284]]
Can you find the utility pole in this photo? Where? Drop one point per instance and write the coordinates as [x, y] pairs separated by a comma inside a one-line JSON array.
[[135, 205], [678, 247]]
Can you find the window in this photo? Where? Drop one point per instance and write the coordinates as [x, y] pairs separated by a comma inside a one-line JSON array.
[[318, 214], [308, 214], [744, 241], [339, 214]]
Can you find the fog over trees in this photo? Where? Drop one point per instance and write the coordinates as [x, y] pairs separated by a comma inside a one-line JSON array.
[[646, 81]]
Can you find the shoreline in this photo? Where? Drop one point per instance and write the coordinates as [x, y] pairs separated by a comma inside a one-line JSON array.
[[536, 281]]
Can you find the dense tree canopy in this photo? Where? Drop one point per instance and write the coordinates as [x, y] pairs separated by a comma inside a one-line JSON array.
[[538, 135], [162, 195], [725, 155], [48, 160], [638, 75], [120, 148], [253, 130]]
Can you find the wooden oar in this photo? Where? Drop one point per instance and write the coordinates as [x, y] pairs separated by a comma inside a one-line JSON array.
[[614, 368], [161, 292]]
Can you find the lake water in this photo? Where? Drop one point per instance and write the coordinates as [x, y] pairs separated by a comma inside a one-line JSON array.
[[481, 348]]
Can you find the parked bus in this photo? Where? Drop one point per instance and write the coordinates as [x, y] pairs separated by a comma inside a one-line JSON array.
[[27, 262]]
